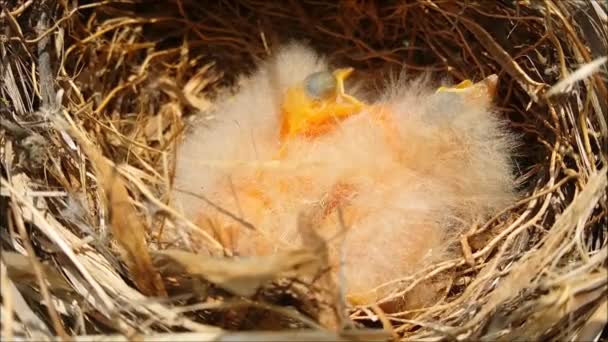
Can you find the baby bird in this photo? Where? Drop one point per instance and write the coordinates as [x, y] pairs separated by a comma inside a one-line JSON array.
[[409, 170]]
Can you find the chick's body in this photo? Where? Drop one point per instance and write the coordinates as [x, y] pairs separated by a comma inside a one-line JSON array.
[[409, 172]]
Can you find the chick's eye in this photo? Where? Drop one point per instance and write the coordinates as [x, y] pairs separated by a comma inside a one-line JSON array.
[[320, 84]]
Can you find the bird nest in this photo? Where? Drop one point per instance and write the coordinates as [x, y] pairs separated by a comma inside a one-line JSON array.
[[95, 95]]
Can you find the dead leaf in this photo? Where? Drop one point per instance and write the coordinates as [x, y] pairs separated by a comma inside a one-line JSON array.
[[20, 270], [243, 276], [127, 226]]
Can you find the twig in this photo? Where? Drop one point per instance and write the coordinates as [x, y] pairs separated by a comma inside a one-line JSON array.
[[44, 60]]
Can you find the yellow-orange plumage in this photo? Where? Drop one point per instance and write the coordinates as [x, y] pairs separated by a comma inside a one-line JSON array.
[[409, 170]]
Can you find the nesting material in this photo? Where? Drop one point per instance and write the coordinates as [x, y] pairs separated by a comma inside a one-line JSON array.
[[408, 171], [124, 76]]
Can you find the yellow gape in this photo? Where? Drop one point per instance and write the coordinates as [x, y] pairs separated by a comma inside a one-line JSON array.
[[484, 89], [457, 88], [315, 106]]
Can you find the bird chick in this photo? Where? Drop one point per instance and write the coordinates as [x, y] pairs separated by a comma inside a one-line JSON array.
[[409, 171]]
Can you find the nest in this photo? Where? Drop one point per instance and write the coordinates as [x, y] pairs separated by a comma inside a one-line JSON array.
[[95, 94]]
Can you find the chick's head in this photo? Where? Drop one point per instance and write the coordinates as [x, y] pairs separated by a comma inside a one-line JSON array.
[[455, 136], [242, 128], [314, 106]]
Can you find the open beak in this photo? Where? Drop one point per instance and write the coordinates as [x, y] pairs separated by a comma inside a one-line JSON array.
[[459, 88], [484, 88], [341, 75]]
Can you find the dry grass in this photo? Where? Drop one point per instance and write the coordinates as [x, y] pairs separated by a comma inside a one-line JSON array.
[[92, 101]]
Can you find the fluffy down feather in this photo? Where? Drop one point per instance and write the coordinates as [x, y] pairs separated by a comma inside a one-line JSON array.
[[410, 171]]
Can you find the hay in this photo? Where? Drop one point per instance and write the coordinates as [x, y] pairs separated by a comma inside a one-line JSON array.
[[93, 98]]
